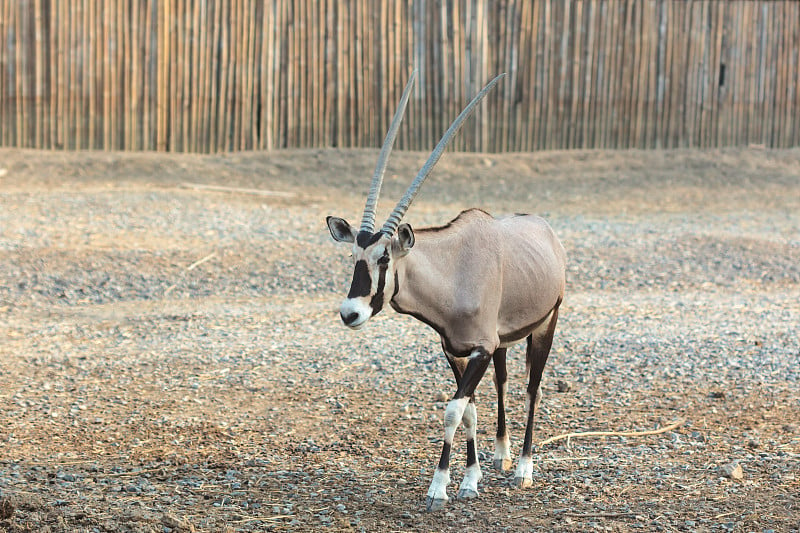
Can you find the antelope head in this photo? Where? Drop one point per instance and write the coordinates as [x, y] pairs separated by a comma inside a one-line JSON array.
[[376, 254]]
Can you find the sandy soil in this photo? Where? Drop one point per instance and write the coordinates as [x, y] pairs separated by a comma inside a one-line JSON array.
[[171, 357]]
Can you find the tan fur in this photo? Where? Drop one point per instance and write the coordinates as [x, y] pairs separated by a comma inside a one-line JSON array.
[[482, 281]]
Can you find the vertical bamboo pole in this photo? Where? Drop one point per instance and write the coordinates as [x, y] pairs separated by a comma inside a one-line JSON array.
[[608, 72], [794, 81], [63, 75], [768, 34], [575, 25], [39, 62], [780, 104], [75, 115], [725, 98], [98, 96], [4, 120], [52, 79], [222, 48], [549, 79], [717, 29], [268, 98], [589, 77], [120, 76], [645, 70], [618, 95], [23, 93], [161, 54], [18, 91], [786, 111], [631, 55], [182, 77], [5, 115], [693, 60], [511, 108], [93, 22], [254, 63], [740, 108], [750, 74], [234, 89]]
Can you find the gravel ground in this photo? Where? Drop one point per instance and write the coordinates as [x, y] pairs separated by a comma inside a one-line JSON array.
[[172, 359]]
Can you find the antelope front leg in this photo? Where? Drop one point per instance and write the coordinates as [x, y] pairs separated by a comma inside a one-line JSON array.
[[453, 415], [437, 492]]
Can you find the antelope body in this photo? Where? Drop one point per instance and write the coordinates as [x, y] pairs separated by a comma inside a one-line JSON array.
[[483, 283]]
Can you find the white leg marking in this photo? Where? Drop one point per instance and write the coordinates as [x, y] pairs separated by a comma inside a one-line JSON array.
[[438, 488], [502, 453], [469, 485], [437, 492], [453, 416], [524, 474]]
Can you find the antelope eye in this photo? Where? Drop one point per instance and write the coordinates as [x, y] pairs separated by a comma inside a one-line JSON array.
[[383, 260]]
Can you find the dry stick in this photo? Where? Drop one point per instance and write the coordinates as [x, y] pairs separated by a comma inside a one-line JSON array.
[[669, 427], [222, 188], [190, 268], [598, 515]]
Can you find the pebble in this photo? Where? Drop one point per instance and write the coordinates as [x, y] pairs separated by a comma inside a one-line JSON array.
[[732, 470]]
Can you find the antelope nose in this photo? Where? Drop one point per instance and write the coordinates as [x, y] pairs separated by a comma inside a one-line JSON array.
[[348, 318]]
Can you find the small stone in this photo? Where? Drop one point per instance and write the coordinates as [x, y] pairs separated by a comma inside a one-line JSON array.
[[732, 470], [6, 509], [441, 397], [177, 524], [563, 386]]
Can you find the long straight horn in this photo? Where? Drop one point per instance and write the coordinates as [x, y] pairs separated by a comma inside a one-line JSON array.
[[402, 206], [368, 220]]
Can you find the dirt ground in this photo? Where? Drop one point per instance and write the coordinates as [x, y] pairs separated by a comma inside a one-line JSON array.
[[171, 357]]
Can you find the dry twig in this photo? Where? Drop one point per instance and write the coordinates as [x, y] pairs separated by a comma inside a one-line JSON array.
[[238, 190], [666, 428]]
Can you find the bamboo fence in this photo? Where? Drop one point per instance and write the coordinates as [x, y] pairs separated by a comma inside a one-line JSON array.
[[223, 75]]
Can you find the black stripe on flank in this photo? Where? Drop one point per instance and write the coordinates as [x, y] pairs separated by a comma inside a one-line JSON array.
[[362, 283]]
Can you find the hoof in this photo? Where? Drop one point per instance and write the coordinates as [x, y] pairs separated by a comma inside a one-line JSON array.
[[502, 464], [435, 504], [467, 494], [521, 482]]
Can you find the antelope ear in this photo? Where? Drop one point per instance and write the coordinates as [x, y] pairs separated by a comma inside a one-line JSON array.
[[340, 230], [405, 237]]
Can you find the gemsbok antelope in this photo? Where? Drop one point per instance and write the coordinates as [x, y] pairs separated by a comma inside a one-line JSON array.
[[483, 283]]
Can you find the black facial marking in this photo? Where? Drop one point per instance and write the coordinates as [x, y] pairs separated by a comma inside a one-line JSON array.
[[362, 283], [376, 303], [365, 238]]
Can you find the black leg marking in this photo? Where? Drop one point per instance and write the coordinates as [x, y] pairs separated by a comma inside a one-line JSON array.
[[472, 456], [502, 454], [476, 368], [444, 459], [537, 353], [500, 379]]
